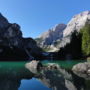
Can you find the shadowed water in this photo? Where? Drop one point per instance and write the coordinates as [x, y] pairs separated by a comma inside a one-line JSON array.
[[14, 76]]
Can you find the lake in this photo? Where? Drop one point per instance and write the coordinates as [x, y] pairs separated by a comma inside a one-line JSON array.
[[14, 76]]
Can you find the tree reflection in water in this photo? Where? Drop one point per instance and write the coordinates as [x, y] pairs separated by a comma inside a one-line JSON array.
[[56, 79]]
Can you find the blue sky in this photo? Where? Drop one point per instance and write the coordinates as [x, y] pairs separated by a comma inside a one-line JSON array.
[[37, 16]]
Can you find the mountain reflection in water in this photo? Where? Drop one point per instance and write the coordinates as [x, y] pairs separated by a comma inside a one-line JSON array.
[[17, 77]]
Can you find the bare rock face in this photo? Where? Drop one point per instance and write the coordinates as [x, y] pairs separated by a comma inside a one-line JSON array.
[[76, 23], [10, 34], [3, 21], [12, 44], [49, 37], [60, 35], [53, 33]]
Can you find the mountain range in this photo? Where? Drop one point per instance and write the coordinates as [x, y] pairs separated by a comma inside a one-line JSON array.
[[63, 41], [60, 35]]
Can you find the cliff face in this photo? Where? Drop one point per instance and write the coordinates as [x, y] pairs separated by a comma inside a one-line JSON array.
[[61, 35], [76, 23], [13, 45], [70, 45], [47, 39], [65, 40]]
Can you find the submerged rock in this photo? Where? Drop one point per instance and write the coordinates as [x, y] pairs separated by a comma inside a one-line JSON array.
[[53, 66]]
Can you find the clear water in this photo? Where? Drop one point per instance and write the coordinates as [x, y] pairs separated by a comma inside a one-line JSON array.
[[35, 85], [65, 64], [14, 76]]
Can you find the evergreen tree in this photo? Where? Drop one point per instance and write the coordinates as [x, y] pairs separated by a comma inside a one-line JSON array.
[[86, 40]]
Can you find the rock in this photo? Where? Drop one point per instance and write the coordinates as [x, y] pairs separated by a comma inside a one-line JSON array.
[[60, 36], [81, 67], [14, 45], [34, 66], [88, 71], [82, 70], [3, 22], [53, 66], [47, 39], [76, 23]]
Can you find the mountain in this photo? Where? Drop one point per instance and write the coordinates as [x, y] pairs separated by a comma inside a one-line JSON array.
[[48, 38], [76, 23], [63, 36], [13, 46], [77, 32]]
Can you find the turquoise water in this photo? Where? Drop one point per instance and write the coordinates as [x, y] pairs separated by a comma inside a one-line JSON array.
[[14, 76], [65, 64]]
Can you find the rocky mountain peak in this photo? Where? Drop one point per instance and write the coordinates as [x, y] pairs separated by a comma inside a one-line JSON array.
[[56, 28], [82, 14], [60, 35], [47, 38], [3, 21], [76, 23]]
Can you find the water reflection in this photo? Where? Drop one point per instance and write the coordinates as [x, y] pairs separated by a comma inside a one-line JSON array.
[[62, 80], [32, 84], [10, 77], [56, 79], [84, 75]]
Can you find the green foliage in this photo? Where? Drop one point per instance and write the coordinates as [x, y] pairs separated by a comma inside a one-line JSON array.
[[46, 49], [88, 59], [85, 31], [38, 40]]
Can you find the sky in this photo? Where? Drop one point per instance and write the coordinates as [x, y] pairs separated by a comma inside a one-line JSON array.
[[37, 16]]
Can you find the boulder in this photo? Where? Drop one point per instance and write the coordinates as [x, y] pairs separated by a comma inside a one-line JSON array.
[[53, 66], [82, 68], [34, 66]]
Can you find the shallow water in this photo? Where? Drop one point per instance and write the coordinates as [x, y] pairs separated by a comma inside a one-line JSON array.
[[14, 76]]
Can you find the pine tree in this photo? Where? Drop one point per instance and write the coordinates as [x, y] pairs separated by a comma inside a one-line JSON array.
[[86, 40]]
